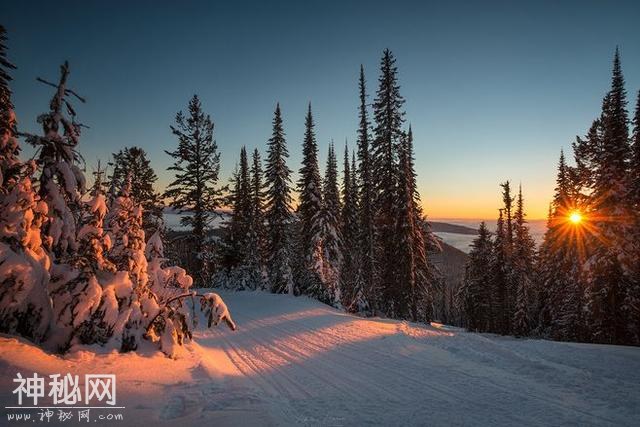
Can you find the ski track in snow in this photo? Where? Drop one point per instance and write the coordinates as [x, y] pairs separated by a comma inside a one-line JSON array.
[[309, 364], [294, 361]]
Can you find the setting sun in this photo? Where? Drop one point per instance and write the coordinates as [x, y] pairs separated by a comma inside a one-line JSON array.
[[575, 217]]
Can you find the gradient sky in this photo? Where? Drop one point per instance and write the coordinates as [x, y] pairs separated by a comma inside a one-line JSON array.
[[494, 90]]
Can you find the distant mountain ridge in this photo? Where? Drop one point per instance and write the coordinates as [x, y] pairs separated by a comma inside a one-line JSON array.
[[445, 227]]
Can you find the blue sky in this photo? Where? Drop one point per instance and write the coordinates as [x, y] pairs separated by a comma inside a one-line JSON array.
[[493, 89]]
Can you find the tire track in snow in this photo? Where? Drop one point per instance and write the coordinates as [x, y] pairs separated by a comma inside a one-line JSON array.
[[311, 365], [253, 360], [366, 379], [297, 357], [273, 389], [391, 366], [487, 380]]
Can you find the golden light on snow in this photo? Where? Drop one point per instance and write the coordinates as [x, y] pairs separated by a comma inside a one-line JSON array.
[[575, 217]]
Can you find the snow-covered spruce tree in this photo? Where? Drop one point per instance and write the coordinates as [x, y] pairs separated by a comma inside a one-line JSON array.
[[278, 210], [91, 304], [73, 289], [360, 301], [500, 318], [406, 232], [239, 241], [170, 324], [234, 227], [73, 297], [330, 232], [126, 235], [474, 296], [25, 307], [511, 287], [559, 290], [634, 172], [257, 194], [507, 310], [524, 262], [257, 232], [366, 191], [143, 299], [632, 297], [243, 204], [389, 117], [610, 258], [541, 293], [9, 148], [309, 270], [351, 288], [76, 287], [133, 162], [197, 165], [415, 274], [124, 224], [62, 182]]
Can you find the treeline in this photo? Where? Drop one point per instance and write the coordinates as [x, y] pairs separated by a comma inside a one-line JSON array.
[[359, 241], [583, 284], [357, 238]]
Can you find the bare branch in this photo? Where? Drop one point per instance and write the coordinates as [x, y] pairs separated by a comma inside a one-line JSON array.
[[67, 92]]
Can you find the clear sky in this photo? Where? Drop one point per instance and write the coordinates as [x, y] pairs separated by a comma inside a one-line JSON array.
[[494, 90]]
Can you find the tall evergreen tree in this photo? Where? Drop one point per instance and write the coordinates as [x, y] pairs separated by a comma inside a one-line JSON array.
[[474, 296], [510, 285], [133, 162], [254, 260], [632, 297], [500, 315], [257, 191], [258, 232], [351, 291], [559, 290], [197, 165], [507, 200], [237, 229], [389, 117], [616, 150], [523, 270], [415, 272], [62, 182], [408, 235], [124, 223], [634, 172], [240, 244], [278, 209], [9, 148], [309, 212], [243, 202], [609, 262], [366, 202], [427, 275], [331, 232]]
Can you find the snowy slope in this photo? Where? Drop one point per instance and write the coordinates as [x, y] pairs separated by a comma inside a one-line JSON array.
[[294, 361]]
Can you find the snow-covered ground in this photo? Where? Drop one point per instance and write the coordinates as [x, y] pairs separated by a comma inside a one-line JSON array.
[[294, 361]]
